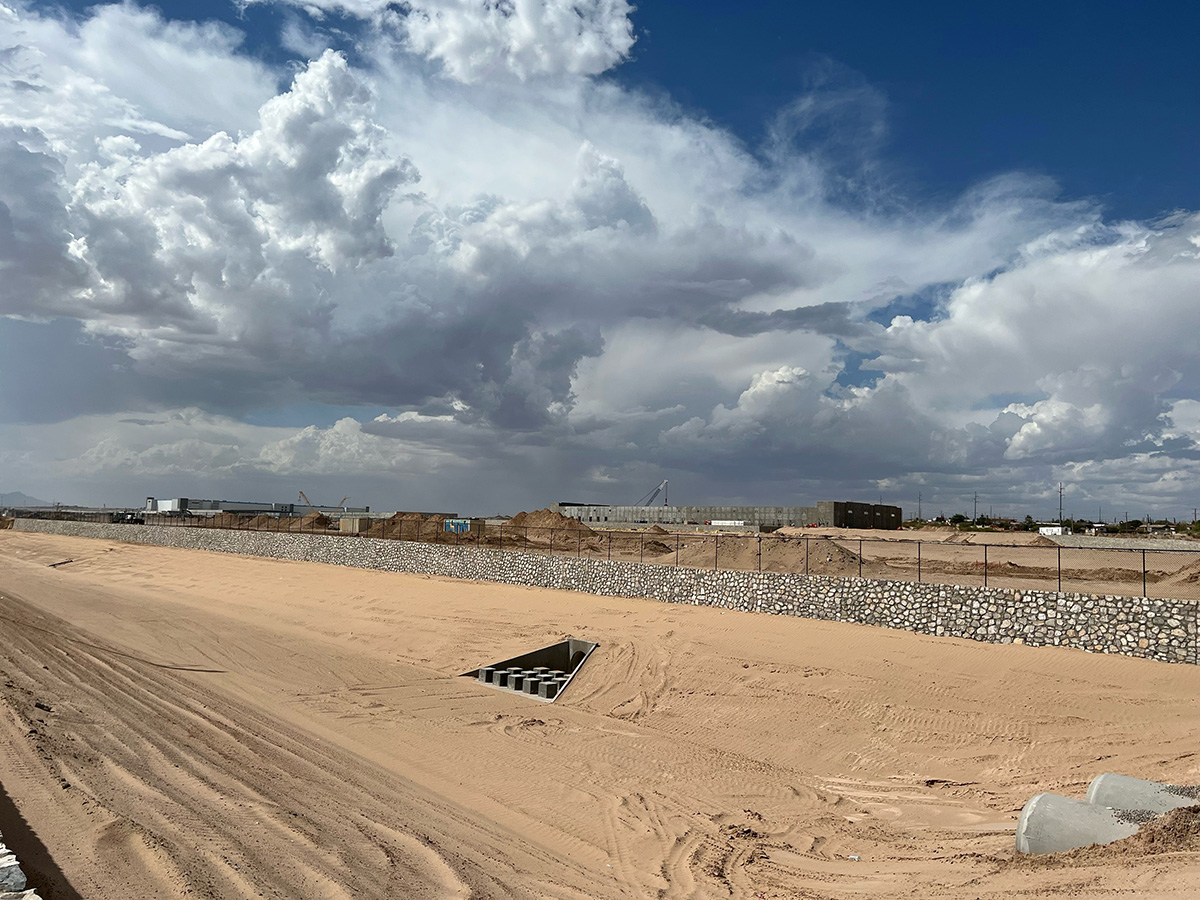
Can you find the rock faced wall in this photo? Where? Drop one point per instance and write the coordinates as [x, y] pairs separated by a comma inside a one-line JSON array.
[[1165, 630]]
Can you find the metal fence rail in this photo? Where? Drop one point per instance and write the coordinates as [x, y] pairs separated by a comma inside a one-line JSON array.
[[1168, 573]]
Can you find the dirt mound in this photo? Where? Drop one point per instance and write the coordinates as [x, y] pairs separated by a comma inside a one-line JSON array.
[[657, 529], [413, 526], [1189, 574], [826, 557], [792, 531], [817, 555], [386, 528], [546, 518], [406, 526], [313, 522]]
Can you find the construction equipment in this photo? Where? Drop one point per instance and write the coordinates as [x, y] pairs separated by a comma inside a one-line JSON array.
[[649, 498], [341, 504]]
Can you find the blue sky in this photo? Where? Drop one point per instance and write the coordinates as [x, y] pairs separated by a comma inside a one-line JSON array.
[[445, 255], [1099, 96]]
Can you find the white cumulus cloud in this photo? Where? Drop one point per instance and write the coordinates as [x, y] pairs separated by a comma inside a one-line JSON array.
[[461, 250]]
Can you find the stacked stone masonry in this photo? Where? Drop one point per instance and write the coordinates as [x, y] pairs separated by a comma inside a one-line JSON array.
[[1165, 630]]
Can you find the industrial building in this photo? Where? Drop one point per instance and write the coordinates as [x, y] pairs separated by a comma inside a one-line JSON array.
[[827, 512], [184, 506]]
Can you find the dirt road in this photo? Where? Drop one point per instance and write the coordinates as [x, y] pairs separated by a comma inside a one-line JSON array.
[[233, 727]]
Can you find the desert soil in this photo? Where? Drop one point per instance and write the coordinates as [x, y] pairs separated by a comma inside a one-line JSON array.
[[233, 727]]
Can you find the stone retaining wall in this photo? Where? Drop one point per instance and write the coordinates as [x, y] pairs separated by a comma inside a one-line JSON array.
[[1165, 630]]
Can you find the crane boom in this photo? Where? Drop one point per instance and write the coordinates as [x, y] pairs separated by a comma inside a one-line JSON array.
[[649, 498]]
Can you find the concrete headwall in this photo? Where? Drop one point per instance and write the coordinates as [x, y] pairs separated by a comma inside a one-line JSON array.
[[1165, 630]]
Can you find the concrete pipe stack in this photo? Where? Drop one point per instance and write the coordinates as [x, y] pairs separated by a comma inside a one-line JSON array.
[[1115, 807]]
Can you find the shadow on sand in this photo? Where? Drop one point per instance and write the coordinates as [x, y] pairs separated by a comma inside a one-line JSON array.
[[36, 862]]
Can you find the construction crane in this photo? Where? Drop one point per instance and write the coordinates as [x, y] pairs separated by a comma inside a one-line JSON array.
[[341, 504], [649, 498]]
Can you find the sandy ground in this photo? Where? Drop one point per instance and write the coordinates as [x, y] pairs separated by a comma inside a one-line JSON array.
[[233, 727]]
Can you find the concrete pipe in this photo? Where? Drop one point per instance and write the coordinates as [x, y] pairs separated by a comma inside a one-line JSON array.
[[1123, 792], [1051, 823], [11, 876]]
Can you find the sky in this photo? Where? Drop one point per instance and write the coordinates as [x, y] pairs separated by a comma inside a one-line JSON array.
[[484, 256]]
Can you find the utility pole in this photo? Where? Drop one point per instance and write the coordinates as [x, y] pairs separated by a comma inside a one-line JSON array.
[[919, 508], [976, 505], [1060, 490]]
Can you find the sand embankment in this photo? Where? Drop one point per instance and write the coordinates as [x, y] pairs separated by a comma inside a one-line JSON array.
[[223, 726]]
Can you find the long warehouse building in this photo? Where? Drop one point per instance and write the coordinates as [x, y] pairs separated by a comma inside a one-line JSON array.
[[830, 513]]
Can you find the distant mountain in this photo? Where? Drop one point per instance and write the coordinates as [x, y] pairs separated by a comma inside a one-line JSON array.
[[16, 498]]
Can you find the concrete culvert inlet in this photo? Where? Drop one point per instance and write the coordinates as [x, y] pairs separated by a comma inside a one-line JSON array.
[[1051, 823], [540, 674], [1123, 792]]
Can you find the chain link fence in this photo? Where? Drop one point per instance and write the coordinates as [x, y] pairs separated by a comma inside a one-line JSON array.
[[1161, 573]]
